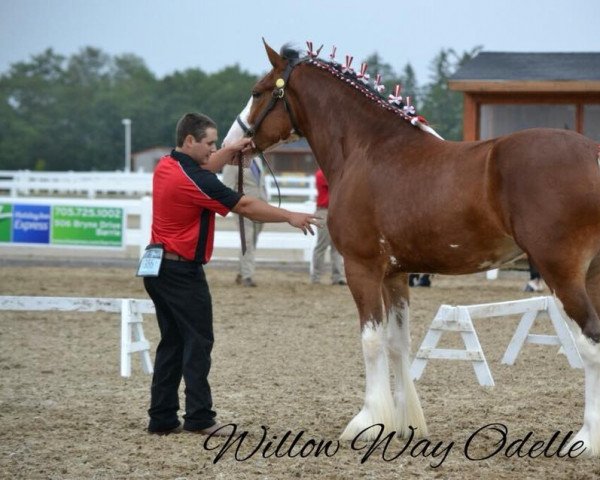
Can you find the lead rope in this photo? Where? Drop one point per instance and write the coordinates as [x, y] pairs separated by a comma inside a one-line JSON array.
[[262, 157], [249, 133], [240, 190]]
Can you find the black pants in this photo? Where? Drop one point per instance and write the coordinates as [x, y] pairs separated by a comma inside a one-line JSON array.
[[184, 313]]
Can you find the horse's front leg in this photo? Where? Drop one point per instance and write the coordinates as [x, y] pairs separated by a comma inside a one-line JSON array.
[[365, 282], [408, 405]]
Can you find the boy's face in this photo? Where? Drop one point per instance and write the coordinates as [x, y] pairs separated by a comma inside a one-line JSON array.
[[201, 150]]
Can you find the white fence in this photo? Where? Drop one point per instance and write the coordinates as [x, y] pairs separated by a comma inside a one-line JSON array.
[[135, 184], [227, 242], [459, 319], [131, 310], [456, 319]]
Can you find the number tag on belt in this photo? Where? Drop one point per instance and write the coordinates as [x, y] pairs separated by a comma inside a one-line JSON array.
[[151, 260]]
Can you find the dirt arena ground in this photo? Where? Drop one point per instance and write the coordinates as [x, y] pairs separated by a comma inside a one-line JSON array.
[[287, 357]]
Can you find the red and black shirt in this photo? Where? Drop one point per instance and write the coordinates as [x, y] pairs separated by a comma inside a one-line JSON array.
[[185, 198], [322, 189]]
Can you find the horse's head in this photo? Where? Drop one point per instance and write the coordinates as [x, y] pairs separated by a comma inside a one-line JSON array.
[[271, 115]]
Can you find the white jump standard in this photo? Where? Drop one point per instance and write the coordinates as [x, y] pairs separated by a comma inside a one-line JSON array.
[[459, 319]]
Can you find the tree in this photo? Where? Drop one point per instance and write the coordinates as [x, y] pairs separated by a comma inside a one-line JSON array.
[[30, 94], [442, 107], [377, 65], [221, 96], [408, 81], [60, 113]]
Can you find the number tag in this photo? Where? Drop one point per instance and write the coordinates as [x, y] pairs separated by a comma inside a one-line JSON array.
[[151, 260]]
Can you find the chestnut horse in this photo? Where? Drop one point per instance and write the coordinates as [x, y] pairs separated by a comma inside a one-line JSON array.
[[403, 200]]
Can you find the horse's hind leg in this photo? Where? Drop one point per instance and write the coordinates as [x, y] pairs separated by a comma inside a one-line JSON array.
[[365, 282], [408, 406], [586, 337], [574, 276]]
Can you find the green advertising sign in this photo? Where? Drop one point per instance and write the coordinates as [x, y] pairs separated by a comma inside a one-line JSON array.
[[92, 226], [5, 222]]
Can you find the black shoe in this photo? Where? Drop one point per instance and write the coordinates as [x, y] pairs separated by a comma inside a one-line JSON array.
[[340, 282], [169, 431], [248, 282], [216, 430], [424, 281]]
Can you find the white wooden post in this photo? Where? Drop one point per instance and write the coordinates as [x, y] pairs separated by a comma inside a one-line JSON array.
[[453, 319], [492, 274], [563, 337], [125, 338], [519, 338], [133, 339], [145, 223], [471, 341]]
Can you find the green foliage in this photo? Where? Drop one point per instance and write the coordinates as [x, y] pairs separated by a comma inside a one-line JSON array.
[[59, 113], [442, 107], [407, 79]]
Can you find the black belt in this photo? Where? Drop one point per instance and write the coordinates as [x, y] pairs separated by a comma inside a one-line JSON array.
[[175, 256]]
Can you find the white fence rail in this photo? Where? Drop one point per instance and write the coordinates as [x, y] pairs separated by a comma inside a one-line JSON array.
[[17, 183], [131, 310], [227, 242], [456, 319]]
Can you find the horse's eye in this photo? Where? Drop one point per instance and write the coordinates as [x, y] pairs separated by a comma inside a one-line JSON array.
[[255, 94]]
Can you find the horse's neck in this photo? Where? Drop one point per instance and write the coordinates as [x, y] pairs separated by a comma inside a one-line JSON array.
[[336, 120]]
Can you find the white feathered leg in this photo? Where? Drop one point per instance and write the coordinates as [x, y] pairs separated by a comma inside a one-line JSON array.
[[590, 355], [590, 432], [406, 399], [379, 405]]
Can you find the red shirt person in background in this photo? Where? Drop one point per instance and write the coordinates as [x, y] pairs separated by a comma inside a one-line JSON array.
[[338, 276]]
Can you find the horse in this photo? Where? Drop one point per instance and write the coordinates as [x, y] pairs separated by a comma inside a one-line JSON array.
[[404, 200]]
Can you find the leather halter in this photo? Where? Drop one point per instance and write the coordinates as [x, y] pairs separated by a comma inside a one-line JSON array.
[[278, 94], [247, 131]]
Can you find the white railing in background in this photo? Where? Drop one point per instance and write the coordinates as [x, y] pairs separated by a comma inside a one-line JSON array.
[[138, 233], [17, 183]]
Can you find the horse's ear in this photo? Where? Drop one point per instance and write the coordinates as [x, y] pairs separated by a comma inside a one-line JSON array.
[[274, 57]]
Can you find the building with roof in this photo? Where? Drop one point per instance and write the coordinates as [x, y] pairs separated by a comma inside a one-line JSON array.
[[507, 91], [146, 160]]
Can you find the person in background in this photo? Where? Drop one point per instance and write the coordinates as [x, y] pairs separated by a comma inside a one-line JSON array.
[[186, 196], [324, 242], [535, 283], [419, 280], [253, 184]]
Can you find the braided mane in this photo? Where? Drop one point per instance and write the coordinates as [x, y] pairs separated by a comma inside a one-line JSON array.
[[394, 103]]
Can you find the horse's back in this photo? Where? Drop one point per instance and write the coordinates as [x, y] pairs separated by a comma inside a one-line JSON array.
[[541, 147], [546, 177], [543, 158]]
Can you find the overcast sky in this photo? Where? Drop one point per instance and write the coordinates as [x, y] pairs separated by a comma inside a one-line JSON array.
[[174, 35]]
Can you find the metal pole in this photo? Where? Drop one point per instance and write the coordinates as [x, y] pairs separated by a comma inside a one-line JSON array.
[[127, 123]]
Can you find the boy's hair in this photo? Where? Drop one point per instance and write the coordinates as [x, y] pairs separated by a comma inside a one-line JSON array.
[[194, 124]]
